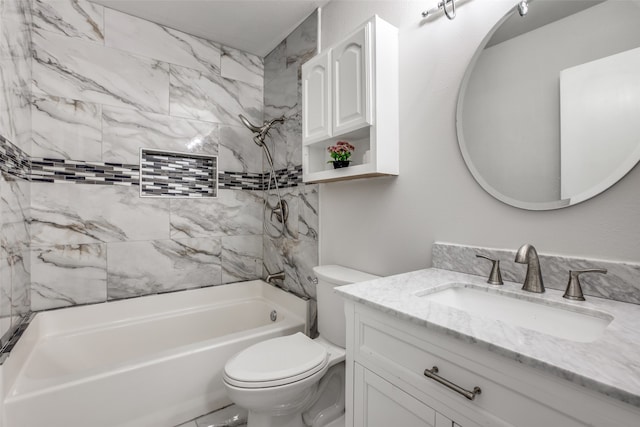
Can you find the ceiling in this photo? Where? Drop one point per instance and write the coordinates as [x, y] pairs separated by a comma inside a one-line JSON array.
[[254, 26]]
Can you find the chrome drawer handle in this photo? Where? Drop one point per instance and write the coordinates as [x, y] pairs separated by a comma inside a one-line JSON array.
[[431, 373]]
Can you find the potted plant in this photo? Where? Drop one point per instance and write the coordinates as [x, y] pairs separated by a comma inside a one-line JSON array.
[[340, 154]]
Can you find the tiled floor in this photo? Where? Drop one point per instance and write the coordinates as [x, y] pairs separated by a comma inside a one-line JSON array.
[[222, 418]]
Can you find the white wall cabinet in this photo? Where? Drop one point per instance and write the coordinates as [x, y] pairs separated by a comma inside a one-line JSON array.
[[386, 359], [350, 92], [316, 99], [351, 73]]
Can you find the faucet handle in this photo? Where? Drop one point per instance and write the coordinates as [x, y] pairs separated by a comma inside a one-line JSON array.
[[495, 277], [574, 289]]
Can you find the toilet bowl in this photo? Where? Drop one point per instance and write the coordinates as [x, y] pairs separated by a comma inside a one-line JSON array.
[[296, 381]]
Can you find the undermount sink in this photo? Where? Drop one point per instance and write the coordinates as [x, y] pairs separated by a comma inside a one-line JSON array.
[[556, 319]]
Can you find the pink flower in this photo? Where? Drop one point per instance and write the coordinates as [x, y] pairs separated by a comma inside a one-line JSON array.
[[341, 151]]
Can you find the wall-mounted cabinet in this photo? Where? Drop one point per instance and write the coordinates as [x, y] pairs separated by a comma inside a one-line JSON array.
[[350, 92]]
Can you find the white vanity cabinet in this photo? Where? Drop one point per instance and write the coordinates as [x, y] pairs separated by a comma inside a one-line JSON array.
[[350, 92], [379, 403], [386, 385]]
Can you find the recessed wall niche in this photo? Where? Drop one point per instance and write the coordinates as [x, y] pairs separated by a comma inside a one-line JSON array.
[[173, 174]]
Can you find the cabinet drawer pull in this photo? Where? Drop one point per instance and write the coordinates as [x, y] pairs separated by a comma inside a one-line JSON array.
[[432, 373]]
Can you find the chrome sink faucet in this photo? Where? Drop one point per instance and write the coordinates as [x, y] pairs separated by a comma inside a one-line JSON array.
[[533, 281]]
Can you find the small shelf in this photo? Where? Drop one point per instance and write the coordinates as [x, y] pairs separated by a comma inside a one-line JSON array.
[[349, 95]]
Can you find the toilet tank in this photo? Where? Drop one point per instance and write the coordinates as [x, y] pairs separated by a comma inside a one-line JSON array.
[[331, 320]]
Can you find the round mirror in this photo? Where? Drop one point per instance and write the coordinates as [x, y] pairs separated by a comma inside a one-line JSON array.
[[549, 110]]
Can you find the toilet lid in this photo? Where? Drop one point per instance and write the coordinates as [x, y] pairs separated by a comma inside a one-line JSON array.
[[276, 361]]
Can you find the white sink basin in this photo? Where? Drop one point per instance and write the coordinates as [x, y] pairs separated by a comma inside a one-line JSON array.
[[559, 320]]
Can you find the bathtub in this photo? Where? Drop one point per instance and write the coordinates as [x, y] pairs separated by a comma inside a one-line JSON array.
[[149, 361]]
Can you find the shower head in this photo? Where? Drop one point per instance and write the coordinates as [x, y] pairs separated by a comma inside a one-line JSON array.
[[260, 131], [248, 124]]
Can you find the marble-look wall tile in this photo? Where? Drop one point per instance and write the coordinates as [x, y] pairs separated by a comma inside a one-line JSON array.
[[148, 267], [275, 61], [210, 97], [5, 291], [126, 131], [232, 213], [66, 129], [145, 38], [65, 275], [15, 31], [238, 152], [73, 214], [241, 258], [21, 283], [14, 216], [72, 18], [15, 107], [302, 43], [295, 253], [308, 209], [242, 66], [82, 70], [620, 283], [296, 257]]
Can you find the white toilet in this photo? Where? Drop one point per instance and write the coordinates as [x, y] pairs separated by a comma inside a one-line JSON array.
[[294, 381]]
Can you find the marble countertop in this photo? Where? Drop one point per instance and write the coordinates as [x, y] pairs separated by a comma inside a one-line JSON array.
[[610, 364]]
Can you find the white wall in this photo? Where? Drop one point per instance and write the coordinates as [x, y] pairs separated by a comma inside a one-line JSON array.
[[387, 225]]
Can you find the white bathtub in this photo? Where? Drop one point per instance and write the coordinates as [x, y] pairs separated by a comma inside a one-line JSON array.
[[150, 361]]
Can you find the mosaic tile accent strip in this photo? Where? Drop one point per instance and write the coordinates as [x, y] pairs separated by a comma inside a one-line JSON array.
[[167, 174], [240, 181], [288, 177], [13, 160], [79, 172]]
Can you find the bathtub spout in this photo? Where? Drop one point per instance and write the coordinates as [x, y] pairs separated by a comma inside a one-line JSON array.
[[271, 277]]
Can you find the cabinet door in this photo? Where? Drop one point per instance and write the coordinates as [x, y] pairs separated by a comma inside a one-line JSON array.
[[351, 73], [378, 403], [316, 101]]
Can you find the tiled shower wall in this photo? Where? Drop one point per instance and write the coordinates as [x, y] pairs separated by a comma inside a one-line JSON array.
[[15, 124], [106, 84], [97, 86], [296, 252]]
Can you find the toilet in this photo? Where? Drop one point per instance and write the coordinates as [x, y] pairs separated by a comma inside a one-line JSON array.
[[296, 381]]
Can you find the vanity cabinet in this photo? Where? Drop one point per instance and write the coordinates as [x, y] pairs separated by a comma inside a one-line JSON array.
[[386, 360], [379, 403], [350, 92]]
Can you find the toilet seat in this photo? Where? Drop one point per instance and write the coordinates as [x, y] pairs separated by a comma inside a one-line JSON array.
[[276, 362]]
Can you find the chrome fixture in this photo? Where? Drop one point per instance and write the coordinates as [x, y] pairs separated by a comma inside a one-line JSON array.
[[271, 277], [533, 281], [442, 5], [495, 277], [281, 209], [469, 394], [523, 7], [574, 289]]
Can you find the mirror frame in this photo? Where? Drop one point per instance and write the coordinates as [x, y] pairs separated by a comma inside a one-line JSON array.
[[604, 185]]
